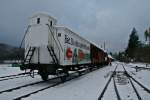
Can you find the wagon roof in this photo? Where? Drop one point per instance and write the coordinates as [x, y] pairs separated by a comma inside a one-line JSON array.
[[68, 29], [98, 46], [65, 28], [109, 56], [43, 14]]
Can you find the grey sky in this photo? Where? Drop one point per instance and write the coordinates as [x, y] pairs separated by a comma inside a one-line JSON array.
[[96, 20]]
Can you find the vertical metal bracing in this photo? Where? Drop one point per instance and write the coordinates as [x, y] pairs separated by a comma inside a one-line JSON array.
[[38, 55], [53, 55], [29, 55], [24, 36], [21, 44]]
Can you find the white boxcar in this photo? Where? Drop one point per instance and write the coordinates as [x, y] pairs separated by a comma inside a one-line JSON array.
[[69, 47], [76, 50]]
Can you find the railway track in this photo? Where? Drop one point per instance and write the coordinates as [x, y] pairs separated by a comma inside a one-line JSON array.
[[138, 83], [26, 85], [132, 84], [108, 82], [56, 82], [20, 75], [12, 75], [11, 90], [130, 78], [116, 90], [83, 72]]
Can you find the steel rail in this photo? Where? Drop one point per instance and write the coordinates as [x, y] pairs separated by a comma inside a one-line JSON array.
[[116, 90], [144, 87], [26, 85], [108, 82], [14, 77], [133, 86]]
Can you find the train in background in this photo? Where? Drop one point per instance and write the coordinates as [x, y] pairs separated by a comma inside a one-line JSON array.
[[56, 50]]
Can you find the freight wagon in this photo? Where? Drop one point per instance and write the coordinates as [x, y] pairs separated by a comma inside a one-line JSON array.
[[55, 50]]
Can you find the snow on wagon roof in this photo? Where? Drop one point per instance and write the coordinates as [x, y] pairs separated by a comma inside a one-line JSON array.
[[43, 14], [110, 56]]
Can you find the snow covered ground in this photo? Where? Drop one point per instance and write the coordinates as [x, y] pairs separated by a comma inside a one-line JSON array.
[[6, 69], [86, 87]]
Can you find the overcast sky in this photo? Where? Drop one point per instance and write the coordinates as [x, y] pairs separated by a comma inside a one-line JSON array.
[[96, 20]]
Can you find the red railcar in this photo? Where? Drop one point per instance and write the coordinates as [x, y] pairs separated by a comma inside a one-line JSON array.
[[98, 56]]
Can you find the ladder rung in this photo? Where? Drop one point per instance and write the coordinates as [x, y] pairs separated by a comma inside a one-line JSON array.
[[31, 49], [52, 54], [27, 57], [30, 55]]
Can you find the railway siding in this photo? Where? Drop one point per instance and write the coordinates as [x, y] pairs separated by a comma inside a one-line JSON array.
[[122, 77]]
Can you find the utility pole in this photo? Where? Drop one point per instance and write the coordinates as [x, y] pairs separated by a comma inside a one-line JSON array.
[[104, 45]]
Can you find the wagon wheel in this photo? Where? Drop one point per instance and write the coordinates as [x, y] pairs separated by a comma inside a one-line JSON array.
[[63, 78], [44, 75]]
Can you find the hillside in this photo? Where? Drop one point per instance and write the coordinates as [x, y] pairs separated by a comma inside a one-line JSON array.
[[8, 52]]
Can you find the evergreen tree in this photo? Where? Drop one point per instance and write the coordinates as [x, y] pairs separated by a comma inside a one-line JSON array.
[[149, 36], [146, 35], [133, 44]]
